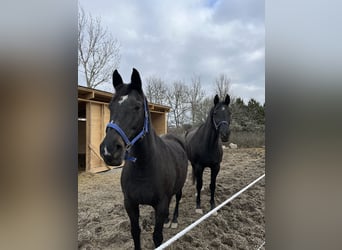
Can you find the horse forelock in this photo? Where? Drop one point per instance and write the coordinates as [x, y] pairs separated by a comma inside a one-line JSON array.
[[125, 91], [220, 106]]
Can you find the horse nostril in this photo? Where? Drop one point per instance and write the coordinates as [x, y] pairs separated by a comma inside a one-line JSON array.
[[104, 151]]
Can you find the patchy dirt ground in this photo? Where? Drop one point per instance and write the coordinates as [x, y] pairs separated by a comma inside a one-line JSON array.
[[104, 224]]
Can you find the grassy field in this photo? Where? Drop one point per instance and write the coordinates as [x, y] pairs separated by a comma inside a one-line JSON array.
[[245, 139]]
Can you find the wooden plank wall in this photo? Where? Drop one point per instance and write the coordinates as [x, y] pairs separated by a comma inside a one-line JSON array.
[[97, 115], [159, 122]]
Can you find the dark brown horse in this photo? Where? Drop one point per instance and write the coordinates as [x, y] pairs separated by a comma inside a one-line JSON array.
[[204, 147], [155, 167]]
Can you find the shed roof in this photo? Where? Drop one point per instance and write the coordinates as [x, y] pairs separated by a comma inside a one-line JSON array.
[[89, 94]]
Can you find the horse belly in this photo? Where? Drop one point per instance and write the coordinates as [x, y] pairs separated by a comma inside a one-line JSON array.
[[205, 157]]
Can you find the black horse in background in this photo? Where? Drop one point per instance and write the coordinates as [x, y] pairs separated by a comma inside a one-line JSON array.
[[204, 147], [155, 167]]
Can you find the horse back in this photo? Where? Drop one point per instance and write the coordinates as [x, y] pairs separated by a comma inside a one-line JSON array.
[[173, 141]]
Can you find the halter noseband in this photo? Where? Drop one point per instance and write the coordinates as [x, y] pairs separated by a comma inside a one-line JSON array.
[[217, 126], [130, 143]]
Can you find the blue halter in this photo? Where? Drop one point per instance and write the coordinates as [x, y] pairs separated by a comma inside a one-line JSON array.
[[217, 126], [130, 143]]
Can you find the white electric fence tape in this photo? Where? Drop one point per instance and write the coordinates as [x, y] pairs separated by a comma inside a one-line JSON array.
[[211, 212]]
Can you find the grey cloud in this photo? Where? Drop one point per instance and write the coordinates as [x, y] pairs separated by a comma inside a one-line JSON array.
[[245, 10], [176, 39]]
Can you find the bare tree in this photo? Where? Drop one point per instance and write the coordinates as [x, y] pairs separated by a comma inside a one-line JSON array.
[[222, 84], [177, 100], [195, 96], [98, 51], [203, 109], [156, 90]]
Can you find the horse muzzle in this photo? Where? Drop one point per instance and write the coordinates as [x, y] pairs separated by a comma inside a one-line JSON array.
[[112, 153], [225, 135]]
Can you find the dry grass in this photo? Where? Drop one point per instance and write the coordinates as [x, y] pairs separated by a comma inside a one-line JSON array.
[[246, 139]]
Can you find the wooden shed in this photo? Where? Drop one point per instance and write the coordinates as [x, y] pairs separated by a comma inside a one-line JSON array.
[[93, 116]]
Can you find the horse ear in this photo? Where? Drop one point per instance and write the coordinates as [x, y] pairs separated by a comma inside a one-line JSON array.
[[117, 80], [227, 100], [216, 100], [135, 80]]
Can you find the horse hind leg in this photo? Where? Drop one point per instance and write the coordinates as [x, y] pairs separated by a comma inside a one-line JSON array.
[[167, 221], [175, 213]]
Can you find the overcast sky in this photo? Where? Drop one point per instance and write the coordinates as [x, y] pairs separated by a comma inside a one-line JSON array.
[[175, 39]]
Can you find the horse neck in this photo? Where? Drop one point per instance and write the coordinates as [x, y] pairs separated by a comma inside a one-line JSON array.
[[142, 150], [210, 132]]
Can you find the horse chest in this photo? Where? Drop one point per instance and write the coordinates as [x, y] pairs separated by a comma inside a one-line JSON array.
[[206, 155], [143, 190], [143, 194]]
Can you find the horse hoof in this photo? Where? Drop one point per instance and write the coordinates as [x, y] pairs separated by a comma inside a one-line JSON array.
[[199, 211], [167, 225], [174, 225]]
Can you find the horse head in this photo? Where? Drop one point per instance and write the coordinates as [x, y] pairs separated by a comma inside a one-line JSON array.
[[128, 119], [221, 117]]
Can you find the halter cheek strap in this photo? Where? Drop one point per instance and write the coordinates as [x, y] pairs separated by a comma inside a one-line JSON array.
[[129, 143]]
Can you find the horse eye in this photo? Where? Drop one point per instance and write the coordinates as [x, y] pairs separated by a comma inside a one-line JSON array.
[[137, 108]]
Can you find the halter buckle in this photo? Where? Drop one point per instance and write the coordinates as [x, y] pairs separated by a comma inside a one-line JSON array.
[[128, 147]]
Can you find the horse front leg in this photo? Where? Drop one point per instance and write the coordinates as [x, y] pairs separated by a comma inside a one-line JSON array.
[[161, 214], [133, 214], [214, 172], [199, 184]]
